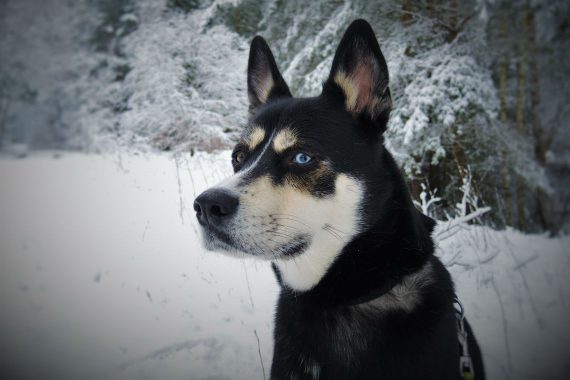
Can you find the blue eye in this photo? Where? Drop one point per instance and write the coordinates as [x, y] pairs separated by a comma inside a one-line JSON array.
[[302, 159]]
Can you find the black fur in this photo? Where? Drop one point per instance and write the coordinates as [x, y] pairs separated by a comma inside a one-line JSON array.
[[261, 64], [323, 327]]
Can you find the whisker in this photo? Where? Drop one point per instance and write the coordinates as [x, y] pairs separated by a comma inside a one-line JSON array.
[[334, 234], [337, 230], [291, 219]]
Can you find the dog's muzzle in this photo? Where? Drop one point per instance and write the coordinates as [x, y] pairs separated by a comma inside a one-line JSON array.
[[215, 206]]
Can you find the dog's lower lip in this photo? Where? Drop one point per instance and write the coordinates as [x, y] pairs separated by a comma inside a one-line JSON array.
[[294, 249], [288, 251], [220, 235]]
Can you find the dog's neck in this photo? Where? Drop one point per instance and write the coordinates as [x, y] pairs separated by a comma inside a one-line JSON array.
[[374, 261]]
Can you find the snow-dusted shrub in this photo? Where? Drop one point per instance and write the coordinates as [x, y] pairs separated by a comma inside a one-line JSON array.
[[241, 17]]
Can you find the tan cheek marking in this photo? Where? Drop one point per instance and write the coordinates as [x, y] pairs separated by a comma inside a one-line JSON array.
[[255, 137], [261, 197], [261, 190], [286, 138]]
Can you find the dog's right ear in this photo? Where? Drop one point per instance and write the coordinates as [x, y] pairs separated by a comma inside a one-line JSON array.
[[264, 81], [359, 75]]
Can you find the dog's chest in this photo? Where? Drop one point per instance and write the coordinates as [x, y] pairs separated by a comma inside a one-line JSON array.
[[327, 343], [346, 333]]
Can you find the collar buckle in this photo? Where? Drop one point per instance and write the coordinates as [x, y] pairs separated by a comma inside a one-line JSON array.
[[466, 369]]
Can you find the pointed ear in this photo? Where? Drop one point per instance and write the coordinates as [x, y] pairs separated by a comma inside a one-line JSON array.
[[264, 81], [359, 74]]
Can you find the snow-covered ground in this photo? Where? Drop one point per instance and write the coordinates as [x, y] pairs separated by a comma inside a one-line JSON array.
[[102, 276]]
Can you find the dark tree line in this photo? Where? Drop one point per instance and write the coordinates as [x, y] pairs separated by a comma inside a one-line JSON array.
[[532, 107]]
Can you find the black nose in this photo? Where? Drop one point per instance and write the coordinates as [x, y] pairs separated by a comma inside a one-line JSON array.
[[215, 205]]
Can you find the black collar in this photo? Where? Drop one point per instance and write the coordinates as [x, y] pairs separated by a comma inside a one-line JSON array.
[[386, 287]]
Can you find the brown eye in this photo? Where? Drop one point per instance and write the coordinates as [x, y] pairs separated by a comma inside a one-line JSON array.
[[240, 156]]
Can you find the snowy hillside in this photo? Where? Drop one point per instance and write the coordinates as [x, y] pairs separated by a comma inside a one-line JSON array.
[[102, 276]]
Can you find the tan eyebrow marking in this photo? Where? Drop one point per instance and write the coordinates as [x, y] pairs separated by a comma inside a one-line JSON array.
[[286, 138], [255, 137]]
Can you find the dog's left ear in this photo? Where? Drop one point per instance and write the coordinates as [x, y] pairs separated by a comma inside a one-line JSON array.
[[264, 81], [360, 75]]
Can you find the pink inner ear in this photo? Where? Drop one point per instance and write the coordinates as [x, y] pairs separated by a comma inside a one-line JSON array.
[[363, 79]]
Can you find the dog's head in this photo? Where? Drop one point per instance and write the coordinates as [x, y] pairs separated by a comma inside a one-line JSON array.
[[310, 173]]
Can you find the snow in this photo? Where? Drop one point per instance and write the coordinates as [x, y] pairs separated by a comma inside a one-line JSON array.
[[102, 275]]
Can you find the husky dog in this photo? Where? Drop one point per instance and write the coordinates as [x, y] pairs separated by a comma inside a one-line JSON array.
[[316, 193]]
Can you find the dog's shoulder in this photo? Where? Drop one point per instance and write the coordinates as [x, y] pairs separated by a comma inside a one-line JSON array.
[[382, 333]]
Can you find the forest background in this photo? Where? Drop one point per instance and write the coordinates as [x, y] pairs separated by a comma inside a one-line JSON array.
[[480, 87]]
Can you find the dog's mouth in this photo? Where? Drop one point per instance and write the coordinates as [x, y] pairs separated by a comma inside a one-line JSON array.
[[294, 248], [219, 240], [216, 240]]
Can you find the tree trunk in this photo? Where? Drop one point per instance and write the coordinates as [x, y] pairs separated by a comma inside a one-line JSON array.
[[521, 200], [416, 185], [4, 107], [521, 91], [453, 26], [503, 115], [460, 157], [406, 16], [541, 141], [503, 69], [520, 123], [507, 197], [430, 8]]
